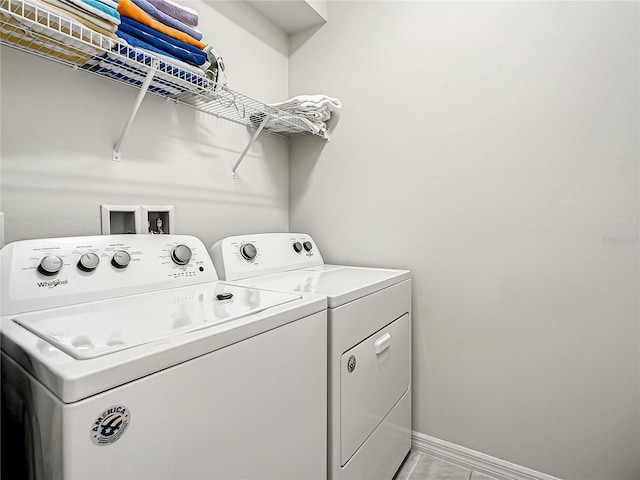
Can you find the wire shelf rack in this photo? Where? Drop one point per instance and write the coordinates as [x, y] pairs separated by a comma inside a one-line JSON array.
[[43, 30]]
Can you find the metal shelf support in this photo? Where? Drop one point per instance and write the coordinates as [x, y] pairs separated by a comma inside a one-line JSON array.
[[251, 142], [65, 41], [134, 111]]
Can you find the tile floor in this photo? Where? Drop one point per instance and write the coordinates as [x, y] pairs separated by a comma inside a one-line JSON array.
[[420, 466]]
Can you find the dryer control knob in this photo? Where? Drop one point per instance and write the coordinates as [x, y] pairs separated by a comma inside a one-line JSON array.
[[181, 254], [88, 262], [120, 259], [50, 265], [297, 247], [248, 251], [307, 246]]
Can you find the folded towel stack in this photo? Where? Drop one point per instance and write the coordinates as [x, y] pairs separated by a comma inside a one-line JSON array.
[[312, 110], [98, 15], [148, 27], [32, 25]]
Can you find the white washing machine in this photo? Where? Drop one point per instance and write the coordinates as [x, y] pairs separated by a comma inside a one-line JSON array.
[[123, 357], [369, 355]]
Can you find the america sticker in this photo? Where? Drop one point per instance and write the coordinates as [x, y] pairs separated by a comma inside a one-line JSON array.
[[110, 425]]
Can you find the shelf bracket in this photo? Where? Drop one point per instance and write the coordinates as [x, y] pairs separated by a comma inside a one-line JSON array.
[[134, 111], [251, 142]]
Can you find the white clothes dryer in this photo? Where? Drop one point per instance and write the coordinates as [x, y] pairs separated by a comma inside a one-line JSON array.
[[369, 354], [123, 357]]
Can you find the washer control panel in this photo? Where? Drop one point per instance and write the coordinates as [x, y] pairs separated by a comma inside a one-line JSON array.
[[247, 256], [62, 271]]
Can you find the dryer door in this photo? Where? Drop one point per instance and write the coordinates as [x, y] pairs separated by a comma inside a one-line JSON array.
[[374, 375]]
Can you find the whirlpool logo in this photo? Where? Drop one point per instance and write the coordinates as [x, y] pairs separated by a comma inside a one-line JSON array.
[[53, 283]]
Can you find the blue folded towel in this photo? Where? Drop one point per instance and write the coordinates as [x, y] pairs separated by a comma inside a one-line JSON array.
[[183, 74], [140, 39], [136, 29], [167, 20], [162, 36], [110, 3], [109, 10]]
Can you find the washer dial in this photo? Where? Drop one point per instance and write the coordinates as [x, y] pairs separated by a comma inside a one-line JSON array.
[[181, 254], [297, 247], [88, 262], [248, 251], [50, 265], [307, 246], [121, 259]]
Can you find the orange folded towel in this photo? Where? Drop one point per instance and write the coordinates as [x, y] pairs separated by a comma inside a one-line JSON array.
[[131, 10]]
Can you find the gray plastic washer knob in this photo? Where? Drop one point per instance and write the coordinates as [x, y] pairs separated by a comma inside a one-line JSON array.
[[50, 265], [248, 251], [120, 259], [181, 254], [88, 262]]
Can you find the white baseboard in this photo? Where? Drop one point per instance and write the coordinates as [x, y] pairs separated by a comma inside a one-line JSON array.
[[476, 461]]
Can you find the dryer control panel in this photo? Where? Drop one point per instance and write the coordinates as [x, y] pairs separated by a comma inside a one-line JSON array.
[[56, 272], [245, 256]]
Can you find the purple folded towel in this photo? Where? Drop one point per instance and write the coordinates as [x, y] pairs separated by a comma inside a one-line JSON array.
[[184, 14]]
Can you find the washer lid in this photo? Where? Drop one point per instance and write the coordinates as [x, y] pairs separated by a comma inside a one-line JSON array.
[[340, 284], [95, 329]]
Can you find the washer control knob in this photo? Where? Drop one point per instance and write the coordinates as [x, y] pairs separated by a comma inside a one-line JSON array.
[[121, 259], [248, 251], [181, 254], [50, 265], [307, 246], [88, 262], [297, 247]]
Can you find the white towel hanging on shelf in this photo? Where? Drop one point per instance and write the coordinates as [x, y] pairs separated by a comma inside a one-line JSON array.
[[313, 110]]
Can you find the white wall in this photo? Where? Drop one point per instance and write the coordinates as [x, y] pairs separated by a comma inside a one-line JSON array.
[[492, 148], [59, 127]]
